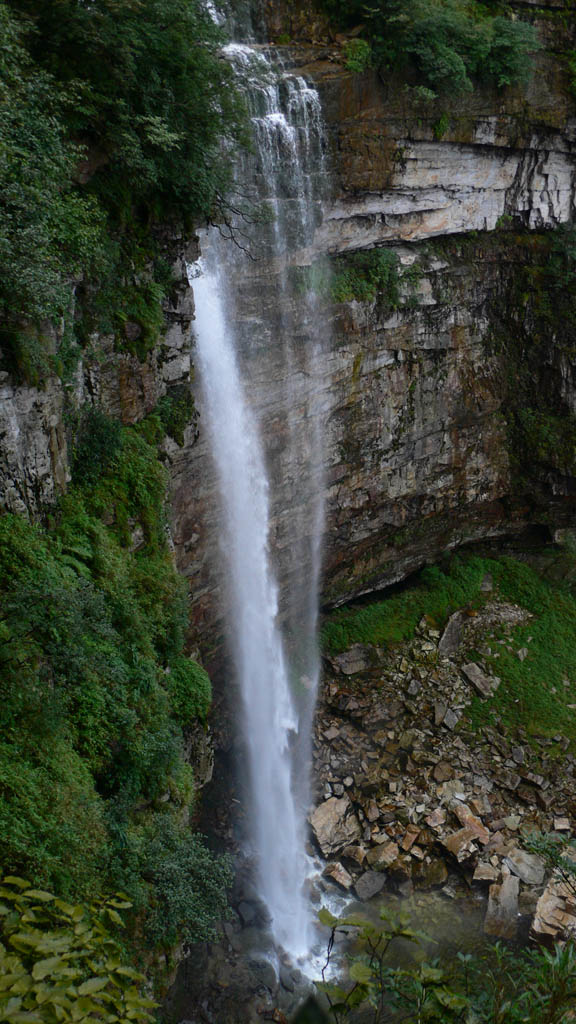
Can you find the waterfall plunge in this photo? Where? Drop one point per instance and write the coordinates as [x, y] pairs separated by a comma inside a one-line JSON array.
[[278, 681]]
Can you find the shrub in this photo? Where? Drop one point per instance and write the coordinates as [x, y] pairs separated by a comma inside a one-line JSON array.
[[96, 440], [190, 690], [357, 55], [189, 888], [534, 987], [365, 275], [59, 962], [176, 410]]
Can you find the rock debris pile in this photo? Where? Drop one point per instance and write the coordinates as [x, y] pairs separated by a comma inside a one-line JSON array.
[[410, 795]]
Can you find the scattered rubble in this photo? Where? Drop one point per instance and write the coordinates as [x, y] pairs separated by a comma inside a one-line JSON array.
[[413, 797]]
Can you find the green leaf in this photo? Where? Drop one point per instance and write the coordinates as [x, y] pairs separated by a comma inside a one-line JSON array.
[[361, 972], [326, 918], [92, 985], [43, 968], [451, 1000], [430, 975], [39, 894], [115, 917], [21, 883], [129, 972]]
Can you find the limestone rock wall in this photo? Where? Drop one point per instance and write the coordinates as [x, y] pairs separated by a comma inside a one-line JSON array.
[[417, 451]]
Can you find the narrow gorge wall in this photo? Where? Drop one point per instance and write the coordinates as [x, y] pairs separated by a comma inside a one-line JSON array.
[[416, 396]]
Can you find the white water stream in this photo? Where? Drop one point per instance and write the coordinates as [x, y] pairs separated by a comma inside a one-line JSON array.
[[272, 640]]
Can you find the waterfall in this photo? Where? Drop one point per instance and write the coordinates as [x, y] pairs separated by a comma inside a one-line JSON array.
[[271, 494]]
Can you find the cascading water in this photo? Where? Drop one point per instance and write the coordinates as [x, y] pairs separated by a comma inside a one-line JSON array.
[[263, 490]]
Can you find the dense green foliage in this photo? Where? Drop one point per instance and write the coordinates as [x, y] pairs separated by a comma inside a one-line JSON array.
[[59, 961], [357, 55], [501, 987], [534, 693], [365, 275], [96, 692], [112, 115], [442, 44]]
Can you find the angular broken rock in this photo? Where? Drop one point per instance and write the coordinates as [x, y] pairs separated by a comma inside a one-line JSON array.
[[528, 867], [369, 885], [452, 635], [355, 853], [451, 719], [470, 821], [410, 837], [509, 780], [383, 856], [443, 771], [461, 844], [502, 913], [372, 811], [486, 873], [485, 685], [335, 825], [555, 918], [437, 818], [440, 710], [338, 874], [358, 658]]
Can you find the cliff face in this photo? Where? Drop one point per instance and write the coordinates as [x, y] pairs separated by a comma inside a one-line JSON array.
[[34, 455], [416, 398]]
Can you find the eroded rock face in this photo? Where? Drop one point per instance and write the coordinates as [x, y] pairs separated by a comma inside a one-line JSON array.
[[34, 457], [411, 398]]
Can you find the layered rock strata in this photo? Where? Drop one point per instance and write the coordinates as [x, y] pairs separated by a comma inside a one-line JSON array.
[[413, 398]]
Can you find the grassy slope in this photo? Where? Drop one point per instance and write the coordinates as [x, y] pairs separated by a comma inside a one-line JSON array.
[[534, 693]]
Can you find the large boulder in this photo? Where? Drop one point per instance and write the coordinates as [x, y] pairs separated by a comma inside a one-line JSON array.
[[555, 917], [357, 658], [369, 885], [529, 868], [335, 825]]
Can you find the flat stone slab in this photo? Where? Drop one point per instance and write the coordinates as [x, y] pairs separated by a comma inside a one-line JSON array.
[[555, 917], [383, 856], [452, 636], [485, 685], [527, 866], [357, 658], [369, 885], [502, 913], [486, 873], [461, 844]]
